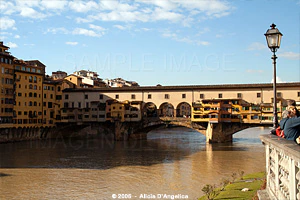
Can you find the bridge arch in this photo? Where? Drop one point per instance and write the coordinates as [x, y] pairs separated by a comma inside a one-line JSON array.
[[149, 110], [183, 109], [166, 109]]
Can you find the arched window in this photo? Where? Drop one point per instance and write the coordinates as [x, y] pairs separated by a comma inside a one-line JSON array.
[[58, 88], [34, 87], [30, 103], [30, 86], [34, 103], [30, 94], [34, 79], [30, 79]]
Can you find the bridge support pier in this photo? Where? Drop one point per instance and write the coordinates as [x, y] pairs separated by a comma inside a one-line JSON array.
[[218, 132]]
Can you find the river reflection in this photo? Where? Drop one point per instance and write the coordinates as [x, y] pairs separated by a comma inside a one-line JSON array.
[[170, 161]]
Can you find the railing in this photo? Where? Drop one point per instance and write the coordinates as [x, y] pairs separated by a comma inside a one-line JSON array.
[[282, 168]]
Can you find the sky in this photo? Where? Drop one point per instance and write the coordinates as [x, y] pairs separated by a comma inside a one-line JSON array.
[[167, 42]]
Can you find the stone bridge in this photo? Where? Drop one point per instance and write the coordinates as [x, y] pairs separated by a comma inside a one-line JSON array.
[[214, 132], [117, 130]]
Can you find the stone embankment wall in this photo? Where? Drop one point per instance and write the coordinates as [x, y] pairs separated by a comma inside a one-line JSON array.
[[60, 131]]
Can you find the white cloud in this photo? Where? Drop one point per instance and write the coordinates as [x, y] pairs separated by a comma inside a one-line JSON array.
[[98, 28], [7, 23], [81, 6], [17, 37], [278, 80], [203, 43], [160, 14], [86, 32], [72, 43], [31, 13], [256, 46], [12, 45], [57, 30], [289, 55], [120, 27], [54, 4], [6, 8]]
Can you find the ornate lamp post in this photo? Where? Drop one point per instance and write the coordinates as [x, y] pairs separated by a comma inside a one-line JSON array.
[[273, 37]]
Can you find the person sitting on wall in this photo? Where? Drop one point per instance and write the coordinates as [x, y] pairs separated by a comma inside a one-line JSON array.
[[292, 104], [291, 125]]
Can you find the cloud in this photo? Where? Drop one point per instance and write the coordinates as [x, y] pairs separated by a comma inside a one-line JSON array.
[[256, 46], [12, 45], [120, 27], [82, 7], [17, 37], [7, 23], [57, 30], [31, 13], [278, 80], [54, 4], [6, 8], [98, 28], [289, 55], [86, 32], [72, 43]]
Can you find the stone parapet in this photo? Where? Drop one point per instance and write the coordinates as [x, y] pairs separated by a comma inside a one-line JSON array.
[[282, 168]]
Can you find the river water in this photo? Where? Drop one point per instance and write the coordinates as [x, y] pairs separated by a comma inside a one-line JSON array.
[[175, 161]]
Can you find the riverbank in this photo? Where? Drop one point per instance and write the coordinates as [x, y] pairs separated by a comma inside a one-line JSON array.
[[244, 188]]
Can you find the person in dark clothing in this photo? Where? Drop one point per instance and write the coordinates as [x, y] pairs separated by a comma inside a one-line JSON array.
[[291, 126]]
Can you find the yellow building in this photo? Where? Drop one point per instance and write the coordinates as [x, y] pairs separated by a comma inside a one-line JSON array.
[[76, 80], [28, 107], [6, 87]]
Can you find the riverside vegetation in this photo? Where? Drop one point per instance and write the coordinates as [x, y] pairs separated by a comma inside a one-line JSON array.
[[237, 187]]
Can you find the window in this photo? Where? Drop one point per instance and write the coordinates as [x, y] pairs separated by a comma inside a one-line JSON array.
[[33, 70], [87, 104], [100, 96], [298, 94], [30, 79], [133, 96], [183, 96], [201, 96], [167, 96], [117, 96], [239, 95], [279, 94], [220, 95], [149, 96], [49, 104], [66, 96], [45, 96], [79, 104], [86, 96], [58, 88], [258, 95]]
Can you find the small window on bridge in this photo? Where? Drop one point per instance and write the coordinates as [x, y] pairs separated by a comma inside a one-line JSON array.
[[201, 96], [167, 96], [298, 94], [258, 95], [149, 96], [183, 96], [220, 95]]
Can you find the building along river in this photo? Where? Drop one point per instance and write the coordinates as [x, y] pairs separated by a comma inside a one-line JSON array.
[[171, 161]]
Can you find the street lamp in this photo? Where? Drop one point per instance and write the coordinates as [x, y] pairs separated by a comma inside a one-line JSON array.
[[273, 37]]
